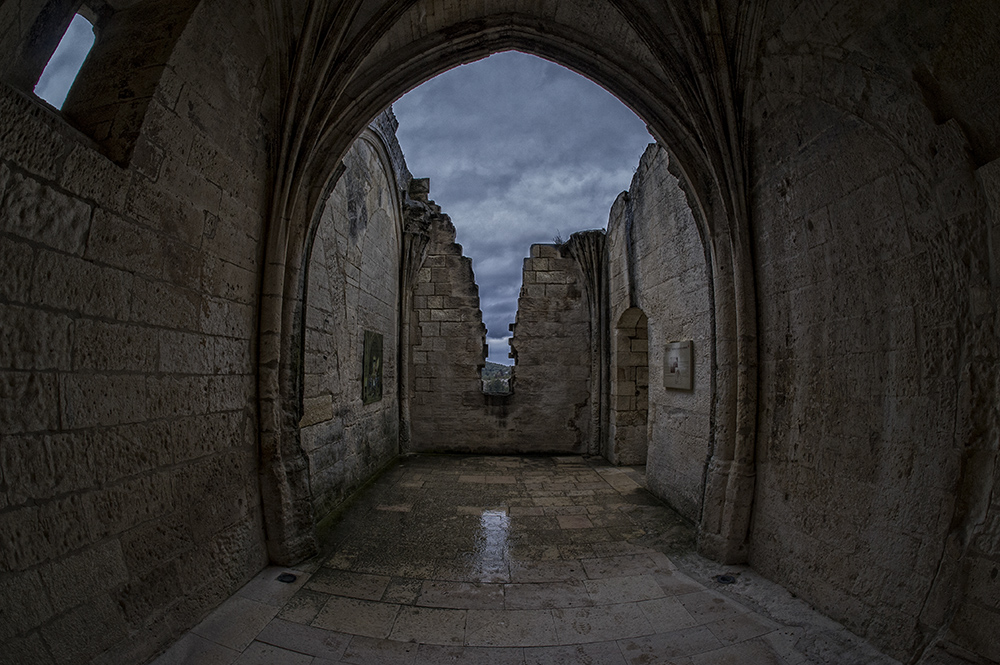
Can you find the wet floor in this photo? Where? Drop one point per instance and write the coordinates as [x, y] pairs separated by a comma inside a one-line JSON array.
[[513, 560]]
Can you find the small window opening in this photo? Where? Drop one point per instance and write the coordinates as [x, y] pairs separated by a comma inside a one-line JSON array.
[[497, 378], [66, 61]]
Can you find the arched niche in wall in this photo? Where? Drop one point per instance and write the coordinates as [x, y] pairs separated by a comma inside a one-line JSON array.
[[630, 388], [358, 58]]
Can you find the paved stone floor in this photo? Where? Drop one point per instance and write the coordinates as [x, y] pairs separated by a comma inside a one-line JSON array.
[[513, 560]]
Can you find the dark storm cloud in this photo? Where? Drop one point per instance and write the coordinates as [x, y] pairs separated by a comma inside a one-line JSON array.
[[518, 150]]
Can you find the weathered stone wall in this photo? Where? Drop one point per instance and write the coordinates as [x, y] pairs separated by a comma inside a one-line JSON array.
[[628, 438], [658, 266], [20, 54], [977, 624], [876, 278], [353, 288], [548, 410], [448, 347], [550, 407], [129, 501]]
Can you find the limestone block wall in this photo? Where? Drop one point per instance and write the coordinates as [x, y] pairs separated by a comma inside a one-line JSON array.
[[876, 273], [353, 288], [657, 265], [448, 349], [549, 408], [129, 501], [976, 624], [628, 437], [551, 349]]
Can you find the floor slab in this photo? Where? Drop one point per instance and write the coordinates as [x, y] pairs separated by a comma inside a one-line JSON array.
[[507, 560]]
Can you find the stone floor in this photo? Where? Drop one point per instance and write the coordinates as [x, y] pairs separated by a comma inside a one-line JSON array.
[[504, 560]]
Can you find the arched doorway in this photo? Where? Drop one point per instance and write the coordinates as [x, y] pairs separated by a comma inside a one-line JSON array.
[[353, 65], [630, 388]]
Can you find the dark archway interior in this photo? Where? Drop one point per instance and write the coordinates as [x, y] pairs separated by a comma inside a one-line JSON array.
[[219, 207]]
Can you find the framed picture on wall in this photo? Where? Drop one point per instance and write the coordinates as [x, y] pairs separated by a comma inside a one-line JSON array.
[[371, 381], [677, 368]]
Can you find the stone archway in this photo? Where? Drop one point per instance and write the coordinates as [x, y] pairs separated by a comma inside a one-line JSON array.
[[355, 59]]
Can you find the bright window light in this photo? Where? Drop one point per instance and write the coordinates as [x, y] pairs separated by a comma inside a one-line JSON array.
[[65, 64]]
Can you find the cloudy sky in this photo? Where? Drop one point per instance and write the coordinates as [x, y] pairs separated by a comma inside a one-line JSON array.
[[519, 151], [66, 62]]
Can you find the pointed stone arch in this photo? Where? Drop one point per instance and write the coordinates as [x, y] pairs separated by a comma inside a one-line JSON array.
[[672, 64]]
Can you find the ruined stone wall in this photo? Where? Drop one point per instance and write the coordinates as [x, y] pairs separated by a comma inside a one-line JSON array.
[[658, 265], [876, 279], [353, 288], [129, 501], [550, 407], [448, 349], [548, 410]]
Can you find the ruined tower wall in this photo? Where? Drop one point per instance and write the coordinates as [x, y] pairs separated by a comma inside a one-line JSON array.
[[878, 339], [658, 264], [129, 502], [551, 348], [352, 290], [448, 349], [548, 410]]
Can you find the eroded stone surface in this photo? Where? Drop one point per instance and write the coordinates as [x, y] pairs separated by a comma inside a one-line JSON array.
[[549, 407], [353, 253], [659, 293]]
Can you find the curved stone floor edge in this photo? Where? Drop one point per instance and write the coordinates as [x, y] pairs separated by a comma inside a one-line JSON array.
[[513, 561]]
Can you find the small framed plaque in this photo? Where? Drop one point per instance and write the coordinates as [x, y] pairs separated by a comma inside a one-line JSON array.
[[677, 369], [371, 382]]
